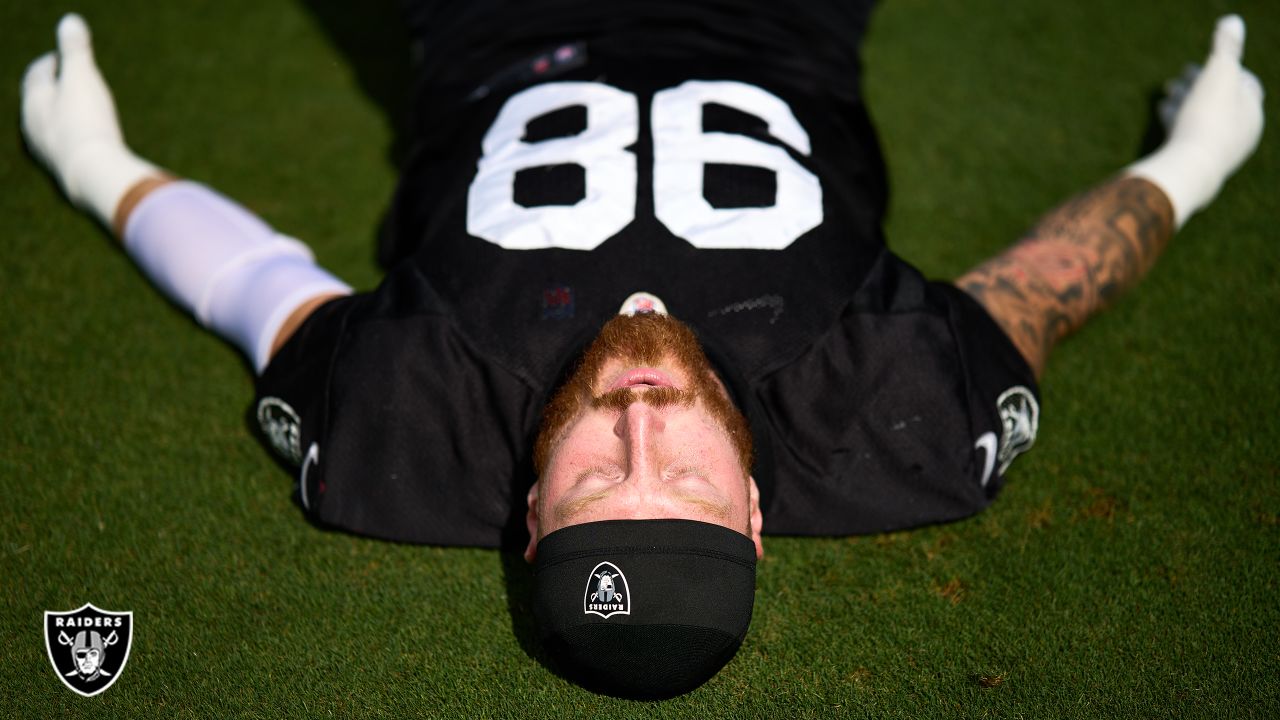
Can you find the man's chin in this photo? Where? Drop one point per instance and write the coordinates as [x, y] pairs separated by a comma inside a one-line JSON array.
[[627, 343]]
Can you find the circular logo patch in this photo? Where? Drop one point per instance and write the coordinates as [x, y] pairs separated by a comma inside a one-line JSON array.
[[282, 427]]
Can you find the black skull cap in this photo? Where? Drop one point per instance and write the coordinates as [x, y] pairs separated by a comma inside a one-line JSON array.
[[643, 609]]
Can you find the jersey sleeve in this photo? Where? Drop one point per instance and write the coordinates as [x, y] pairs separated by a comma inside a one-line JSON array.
[[290, 408], [399, 428], [1003, 397], [907, 412]]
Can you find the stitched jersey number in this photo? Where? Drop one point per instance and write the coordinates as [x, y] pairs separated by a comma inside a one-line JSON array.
[[610, 202], [681, 149]]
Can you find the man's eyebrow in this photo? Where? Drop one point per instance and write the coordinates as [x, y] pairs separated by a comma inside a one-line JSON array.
[[565, 512], [718, 508]]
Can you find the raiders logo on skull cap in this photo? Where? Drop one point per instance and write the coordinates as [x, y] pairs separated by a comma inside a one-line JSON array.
[[643, 609]]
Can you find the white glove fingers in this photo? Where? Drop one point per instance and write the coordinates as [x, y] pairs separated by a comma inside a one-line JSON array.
[[1176, 88], [39, 80], [1189, 74], [39, 87], [1175, 94], [1167, 110]]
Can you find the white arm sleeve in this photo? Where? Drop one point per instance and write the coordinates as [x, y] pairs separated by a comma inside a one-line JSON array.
[[224, 265]]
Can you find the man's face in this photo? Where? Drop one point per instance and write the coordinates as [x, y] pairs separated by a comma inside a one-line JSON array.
[[87, 660], [643, 430]]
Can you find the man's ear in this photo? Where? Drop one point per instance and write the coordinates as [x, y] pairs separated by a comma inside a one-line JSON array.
[[757, 517], [531, 522]]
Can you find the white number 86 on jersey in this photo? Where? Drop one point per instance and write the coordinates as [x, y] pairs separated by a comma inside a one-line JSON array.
[[680, 150]]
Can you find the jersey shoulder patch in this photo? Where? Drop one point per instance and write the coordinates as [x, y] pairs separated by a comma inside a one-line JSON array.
[[283, 428], [1020, 418]]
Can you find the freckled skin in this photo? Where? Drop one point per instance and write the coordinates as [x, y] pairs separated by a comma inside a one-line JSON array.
[[641, 455], [648, 463]]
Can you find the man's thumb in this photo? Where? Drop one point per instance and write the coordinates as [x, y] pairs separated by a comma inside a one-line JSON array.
[[1228, 37], [74, 45]]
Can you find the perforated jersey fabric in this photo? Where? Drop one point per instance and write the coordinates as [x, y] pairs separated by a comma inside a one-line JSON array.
[[877, 400]]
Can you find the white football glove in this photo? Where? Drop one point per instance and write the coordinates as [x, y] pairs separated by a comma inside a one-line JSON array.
[[69, 123], [1214, 118]]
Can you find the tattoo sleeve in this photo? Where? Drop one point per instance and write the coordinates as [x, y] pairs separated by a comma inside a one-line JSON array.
[[1075, 262]]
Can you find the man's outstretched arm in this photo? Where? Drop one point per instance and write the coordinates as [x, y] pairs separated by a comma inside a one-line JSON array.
[[1077, 260], [212, 257], [1082, 255]]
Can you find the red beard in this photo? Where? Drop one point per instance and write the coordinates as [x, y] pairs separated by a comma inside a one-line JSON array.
[[645, 339]]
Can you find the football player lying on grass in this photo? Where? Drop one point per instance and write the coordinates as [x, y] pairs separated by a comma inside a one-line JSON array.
[[816, 384]]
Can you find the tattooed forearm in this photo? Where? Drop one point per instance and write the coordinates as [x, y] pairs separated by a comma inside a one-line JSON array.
[[1075, 262]]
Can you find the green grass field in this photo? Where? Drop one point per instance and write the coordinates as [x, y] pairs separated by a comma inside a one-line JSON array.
[[1131, 567]]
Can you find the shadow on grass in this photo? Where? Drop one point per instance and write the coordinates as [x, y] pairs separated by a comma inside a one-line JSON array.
[[517, 573], [518, 577], [374, 37], [375, 40], [1154, 133]]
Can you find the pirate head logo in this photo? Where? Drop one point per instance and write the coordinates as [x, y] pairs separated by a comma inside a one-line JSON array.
[[88, 647], [607, 592], [1020, 416]]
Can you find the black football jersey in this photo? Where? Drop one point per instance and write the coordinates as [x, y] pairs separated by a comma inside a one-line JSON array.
[[717, 155]]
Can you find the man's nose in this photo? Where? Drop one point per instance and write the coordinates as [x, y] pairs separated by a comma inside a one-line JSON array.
[[639, 427]]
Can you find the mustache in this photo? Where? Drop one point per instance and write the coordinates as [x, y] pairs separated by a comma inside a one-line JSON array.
[[655, 397]]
